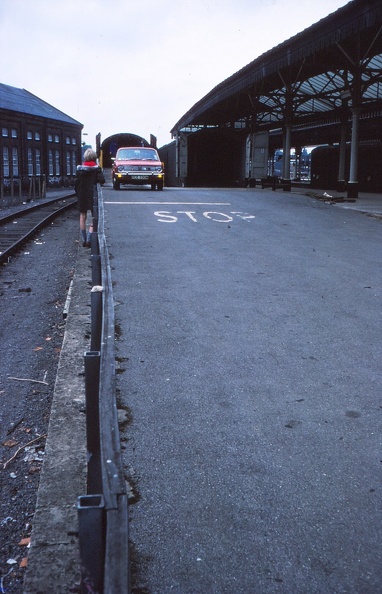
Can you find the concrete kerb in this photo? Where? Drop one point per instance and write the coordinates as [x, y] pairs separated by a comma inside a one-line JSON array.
[[53, 560], [366, 203]]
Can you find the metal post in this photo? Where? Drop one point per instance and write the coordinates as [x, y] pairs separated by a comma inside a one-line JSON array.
[[341, 165], [96, 318], [353, 176], [94, 469], [96, 269], [91, 530], [283, 167], [177, 155], [287, 152], [94, 245], [95, 208], [288, 116]]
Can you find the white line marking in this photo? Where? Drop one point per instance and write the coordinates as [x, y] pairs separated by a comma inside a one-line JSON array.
[[175, 203]]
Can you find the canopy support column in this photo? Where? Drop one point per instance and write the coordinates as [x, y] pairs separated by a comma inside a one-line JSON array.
[[353, 176], [286, 181], [341, 183]]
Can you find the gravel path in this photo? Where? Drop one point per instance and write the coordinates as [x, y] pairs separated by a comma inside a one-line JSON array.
[[33, 289]]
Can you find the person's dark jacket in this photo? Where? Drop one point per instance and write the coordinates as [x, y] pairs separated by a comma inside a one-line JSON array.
[[88, 175]]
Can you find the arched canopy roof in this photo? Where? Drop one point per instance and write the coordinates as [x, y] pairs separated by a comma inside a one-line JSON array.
[[122, 139], [312, 78], [112, 143]]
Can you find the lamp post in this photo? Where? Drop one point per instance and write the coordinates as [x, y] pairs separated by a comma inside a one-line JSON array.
[[84, 145]]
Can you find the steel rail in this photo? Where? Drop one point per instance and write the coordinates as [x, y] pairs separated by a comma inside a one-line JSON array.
[[34, 219]]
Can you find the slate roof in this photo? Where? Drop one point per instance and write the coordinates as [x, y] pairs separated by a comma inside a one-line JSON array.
[[22, 101]]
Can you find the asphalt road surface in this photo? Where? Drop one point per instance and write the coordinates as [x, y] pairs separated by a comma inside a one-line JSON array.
[[249, 336]]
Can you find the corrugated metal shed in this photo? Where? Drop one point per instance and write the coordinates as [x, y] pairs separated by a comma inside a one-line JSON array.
[[22, 101]]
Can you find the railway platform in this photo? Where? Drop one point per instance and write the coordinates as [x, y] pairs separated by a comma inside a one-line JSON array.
[[54, 564], [7, 207]]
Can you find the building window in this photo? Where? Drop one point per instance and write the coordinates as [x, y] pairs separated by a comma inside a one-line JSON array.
[[38, 161], [67, 140], [50, 137], [5, 161], [4, 132], [74, 162], [37, 136], [30, 135], [15, 161], [68, 169], [74, 141], [30, 162], [14, 133], [57, 162], [56, 138], [50, 162]]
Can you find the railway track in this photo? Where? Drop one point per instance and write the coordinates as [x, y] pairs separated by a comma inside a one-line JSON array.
[[18, 227]]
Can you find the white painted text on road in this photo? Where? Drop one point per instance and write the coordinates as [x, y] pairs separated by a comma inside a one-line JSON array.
[[165, 216]]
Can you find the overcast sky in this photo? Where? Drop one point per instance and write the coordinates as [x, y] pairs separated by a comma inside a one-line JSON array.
[[138, 66]]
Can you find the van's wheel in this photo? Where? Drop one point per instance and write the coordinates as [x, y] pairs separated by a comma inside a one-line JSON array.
[[160, 185], [116, 185], [153, 186]]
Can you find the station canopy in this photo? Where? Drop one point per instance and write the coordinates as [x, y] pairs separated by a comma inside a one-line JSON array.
[[312, 80]]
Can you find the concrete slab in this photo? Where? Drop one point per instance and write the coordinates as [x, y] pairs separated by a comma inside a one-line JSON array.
[[53, 560]]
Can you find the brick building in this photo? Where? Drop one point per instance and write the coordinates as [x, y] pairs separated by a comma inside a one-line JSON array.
[[37, 141]]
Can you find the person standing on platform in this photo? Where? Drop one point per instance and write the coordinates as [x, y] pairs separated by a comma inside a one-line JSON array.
[[88, 175]]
